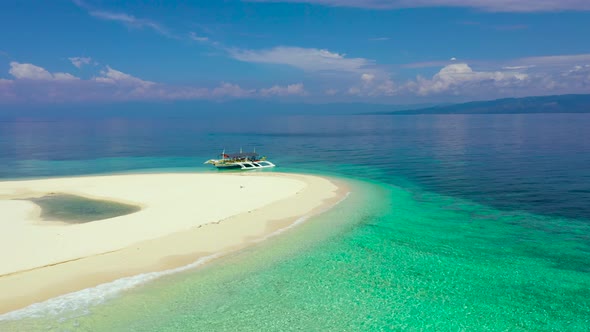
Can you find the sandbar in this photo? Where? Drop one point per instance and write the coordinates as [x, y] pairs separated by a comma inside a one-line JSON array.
[[182, 217]]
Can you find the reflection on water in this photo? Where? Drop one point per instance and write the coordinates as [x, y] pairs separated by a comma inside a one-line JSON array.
[[536, 162]]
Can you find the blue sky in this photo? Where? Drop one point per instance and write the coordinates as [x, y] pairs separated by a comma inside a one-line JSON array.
[[380, 51]]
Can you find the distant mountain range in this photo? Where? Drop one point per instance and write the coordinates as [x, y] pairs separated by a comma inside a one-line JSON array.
[[545, 104]]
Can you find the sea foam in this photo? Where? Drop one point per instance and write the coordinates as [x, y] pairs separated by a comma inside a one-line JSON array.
[[83, 299]]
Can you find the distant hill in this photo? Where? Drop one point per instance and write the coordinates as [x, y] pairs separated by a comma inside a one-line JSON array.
[[545, 104], [221, 109], [193, 108]]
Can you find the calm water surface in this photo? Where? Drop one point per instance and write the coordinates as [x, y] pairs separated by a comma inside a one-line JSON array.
[[459, 222]]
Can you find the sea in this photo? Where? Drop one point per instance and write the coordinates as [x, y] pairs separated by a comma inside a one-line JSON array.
[[453, 223]]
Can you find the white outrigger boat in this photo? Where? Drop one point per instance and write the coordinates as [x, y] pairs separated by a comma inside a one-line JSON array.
[[242, 160]]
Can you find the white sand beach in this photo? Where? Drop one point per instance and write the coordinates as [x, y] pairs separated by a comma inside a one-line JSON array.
[[182, 217]]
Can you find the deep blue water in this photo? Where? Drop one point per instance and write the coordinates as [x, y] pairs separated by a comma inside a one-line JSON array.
[[458, 222], [537, 162]]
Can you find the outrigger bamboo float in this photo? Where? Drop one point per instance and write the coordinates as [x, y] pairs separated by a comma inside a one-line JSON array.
[[242, 160]]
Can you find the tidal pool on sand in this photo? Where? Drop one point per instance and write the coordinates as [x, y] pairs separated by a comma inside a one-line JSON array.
[[77, 209]]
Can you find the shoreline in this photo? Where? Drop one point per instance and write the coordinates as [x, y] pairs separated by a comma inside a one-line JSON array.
[[177, 249]]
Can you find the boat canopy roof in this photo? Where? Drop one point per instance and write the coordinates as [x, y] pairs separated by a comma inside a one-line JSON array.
[[240, 155]]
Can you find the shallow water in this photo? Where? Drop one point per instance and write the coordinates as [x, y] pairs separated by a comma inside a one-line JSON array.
[[77, 209], [458, 223]]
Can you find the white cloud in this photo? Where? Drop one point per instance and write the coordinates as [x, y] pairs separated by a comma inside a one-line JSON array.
[[223, 91], [517, 67], [575, 78], [519, 77], [34, 83], [487, 5], [80, 61], [308, 59], [374, 85], [132, 21], [64, 77], [578, 69], [112, 76], [454, 78], [29, 71], [198, 38], [386, 88], [231, 90], [289, 90], [367, 78]]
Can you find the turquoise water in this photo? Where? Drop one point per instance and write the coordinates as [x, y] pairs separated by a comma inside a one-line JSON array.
[[510, 253]]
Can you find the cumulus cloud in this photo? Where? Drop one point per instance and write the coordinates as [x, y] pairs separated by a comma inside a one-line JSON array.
[[575, 78], [454, 78], [289, 90], [460, 80], [36, 84], [373, 85], [367, 78], [486, 5], [386, 88], [457, 79], [308, 59], [548, 75], [29, 71], [80, 61]]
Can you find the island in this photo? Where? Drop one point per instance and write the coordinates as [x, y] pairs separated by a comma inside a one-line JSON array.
[[165, 221]]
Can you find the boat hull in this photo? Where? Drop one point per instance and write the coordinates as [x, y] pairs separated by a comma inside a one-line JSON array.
[[247, 165], [240, 161]]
